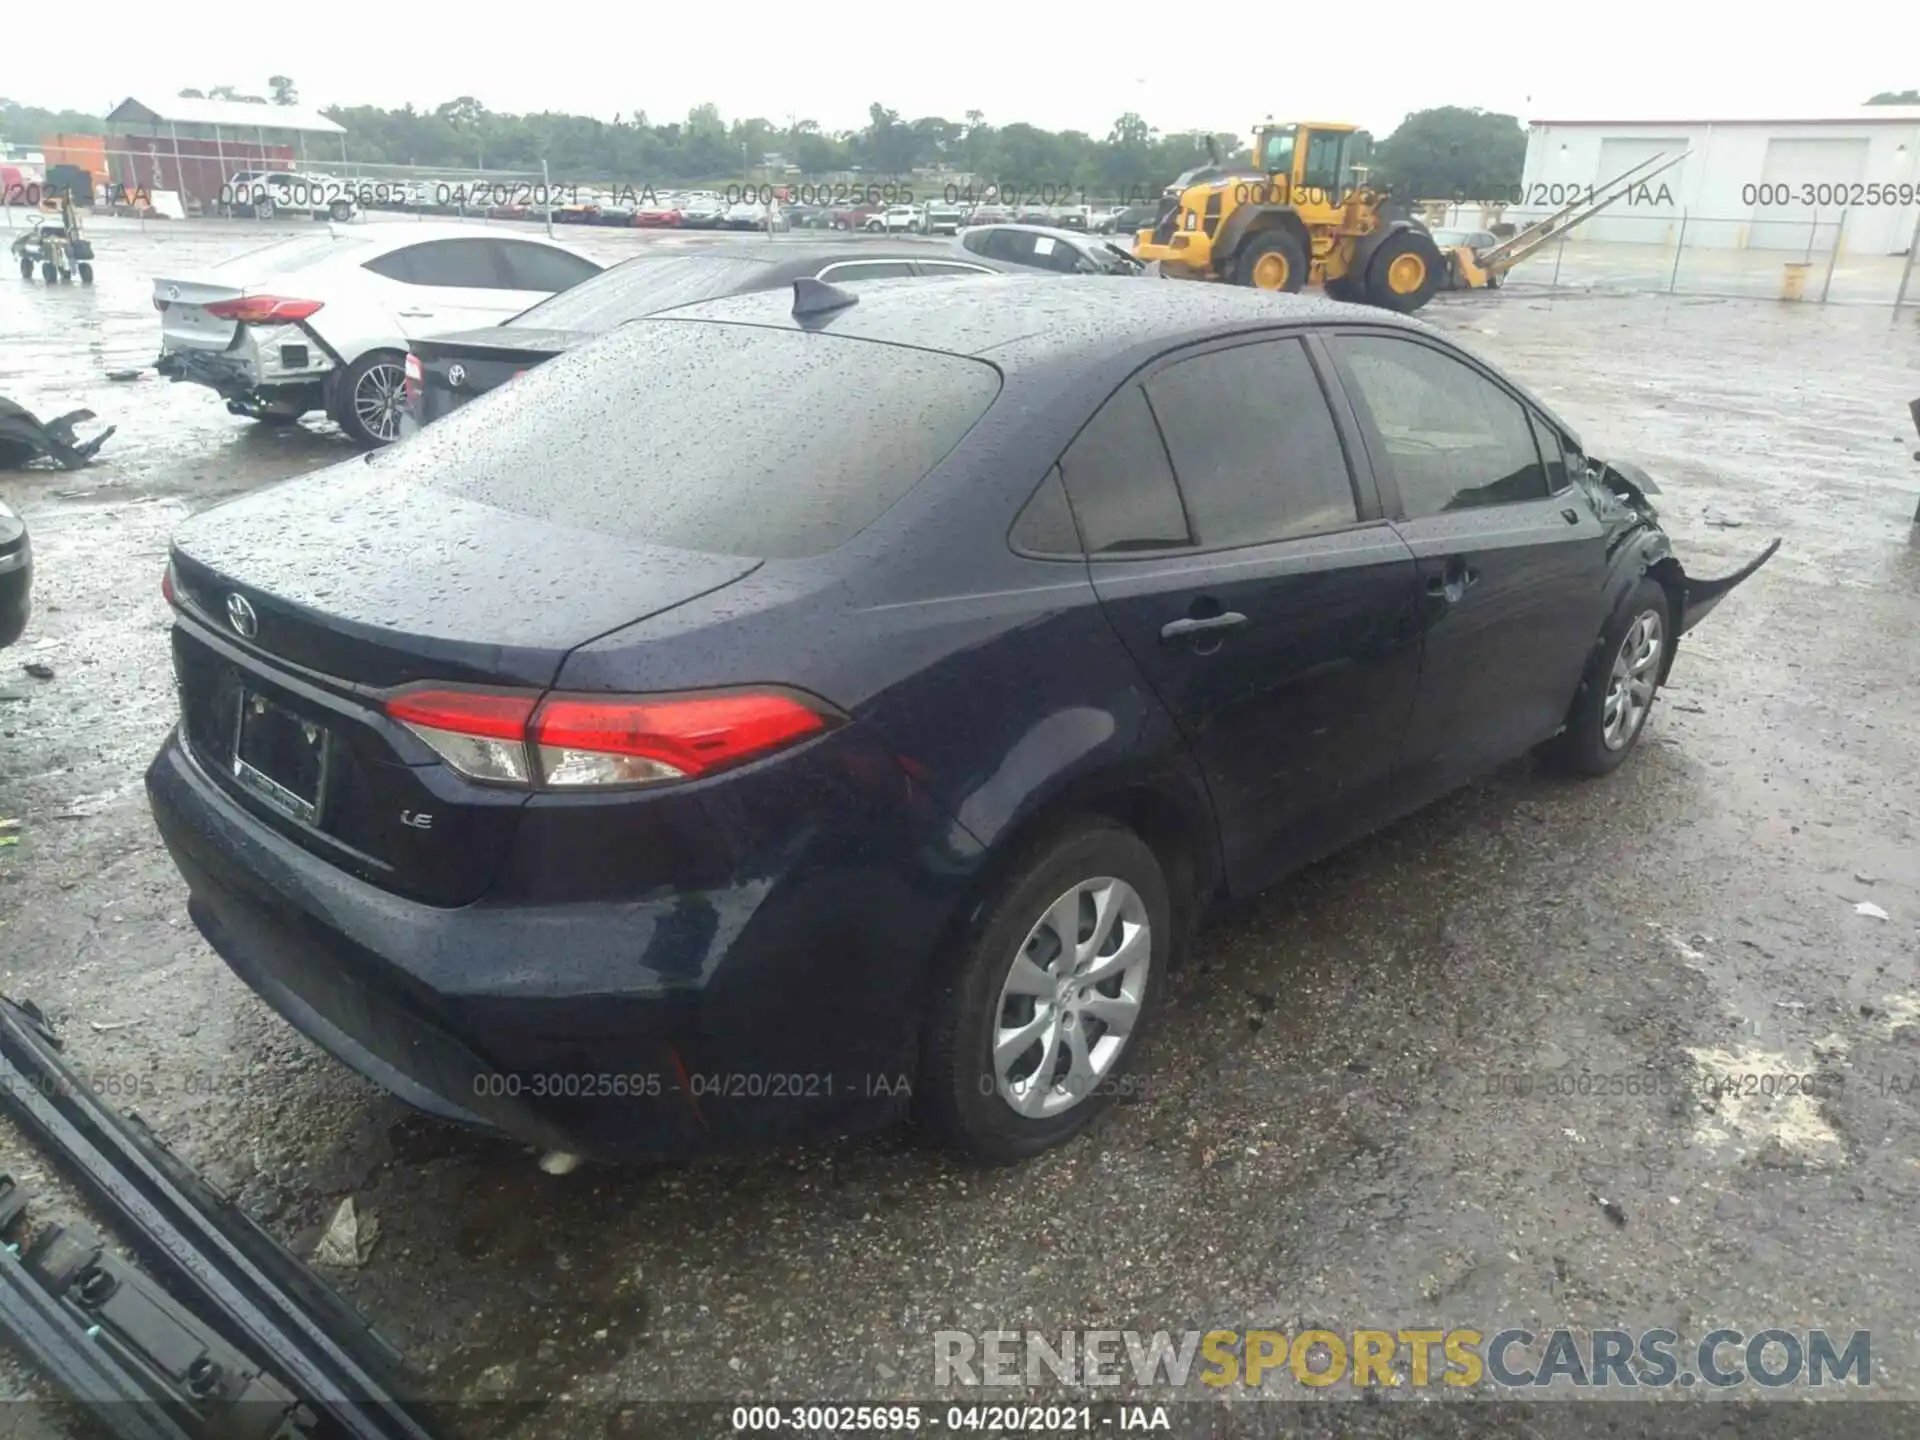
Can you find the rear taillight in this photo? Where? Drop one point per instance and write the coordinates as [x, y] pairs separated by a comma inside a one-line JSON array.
[[584, 742], [263, 309], [416, 377], [166, 585]]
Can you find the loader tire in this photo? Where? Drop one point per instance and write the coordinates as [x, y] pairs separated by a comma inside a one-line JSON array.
[[1271, 260], [1404, 272]]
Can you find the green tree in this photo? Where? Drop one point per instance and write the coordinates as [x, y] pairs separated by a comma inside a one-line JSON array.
[[284, 91], [1896, 97], [1441, 152]]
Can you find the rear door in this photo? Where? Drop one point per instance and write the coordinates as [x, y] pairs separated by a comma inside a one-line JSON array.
[[1512, 569], [1238, 548], [441, 285]]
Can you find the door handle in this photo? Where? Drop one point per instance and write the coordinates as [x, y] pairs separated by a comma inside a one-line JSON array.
[[1458, 579], [1201, 625], [1570, 515], [418, 314]]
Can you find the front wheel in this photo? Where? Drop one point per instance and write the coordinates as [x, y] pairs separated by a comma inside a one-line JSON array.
[[371, 396], [1272, 260], [1616, 694], [86, 273], [26, 268], [1404, 272], [49, 272], [1031, 1034]]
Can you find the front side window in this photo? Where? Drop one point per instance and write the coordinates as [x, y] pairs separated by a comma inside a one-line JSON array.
[[1452, 439]]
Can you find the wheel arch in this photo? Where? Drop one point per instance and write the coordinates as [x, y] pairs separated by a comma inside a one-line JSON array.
[[1164, 810], [1249, 220]]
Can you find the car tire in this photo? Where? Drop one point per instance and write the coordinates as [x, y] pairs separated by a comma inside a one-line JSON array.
[[1616, 695], [358, 398], [340, 210], [966, 1094], [1410, 254], [1271, 253]]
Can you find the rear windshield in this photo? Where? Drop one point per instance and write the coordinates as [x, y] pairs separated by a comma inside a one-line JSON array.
[[297, 254], [642, 286], [729, 439]]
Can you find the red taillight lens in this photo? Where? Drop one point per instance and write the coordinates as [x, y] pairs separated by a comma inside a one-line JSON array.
[[263, 309], [166, 584], [482, 736], [585, 741], [574, 742], [416, 377]]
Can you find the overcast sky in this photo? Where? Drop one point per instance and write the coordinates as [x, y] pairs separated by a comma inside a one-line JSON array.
[[1055, 65]]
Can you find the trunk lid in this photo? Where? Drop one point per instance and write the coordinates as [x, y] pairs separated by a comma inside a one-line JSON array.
[[486, 358], [182, 300], [302, 604]]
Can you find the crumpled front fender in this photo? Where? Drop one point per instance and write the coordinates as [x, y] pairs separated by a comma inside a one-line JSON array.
[[1703, 595]]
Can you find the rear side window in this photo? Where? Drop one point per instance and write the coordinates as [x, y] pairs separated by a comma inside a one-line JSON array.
[[643, 286], [465, 264], [730, 439], [1120, 482], [1045, 527], [1253, 444], [532, 266]]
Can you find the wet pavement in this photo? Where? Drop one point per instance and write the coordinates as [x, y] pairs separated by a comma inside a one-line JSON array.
[[1460, 1075]]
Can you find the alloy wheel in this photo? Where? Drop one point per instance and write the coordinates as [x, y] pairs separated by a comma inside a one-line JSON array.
[[1072, 998], [379, 398], [1636, 669]]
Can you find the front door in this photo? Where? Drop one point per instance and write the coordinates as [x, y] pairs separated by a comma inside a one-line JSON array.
[[1512, 574]]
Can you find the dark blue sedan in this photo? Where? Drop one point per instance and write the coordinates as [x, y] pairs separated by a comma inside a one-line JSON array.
[[804, 705]]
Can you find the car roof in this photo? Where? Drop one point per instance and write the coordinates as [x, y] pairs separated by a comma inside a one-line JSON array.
[[804, 252], [1056, 231], [398, 234], [1029, 318]]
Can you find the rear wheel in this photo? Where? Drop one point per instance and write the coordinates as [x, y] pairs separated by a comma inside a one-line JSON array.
[[1616, 694], [1271, 260], [340, 210], [1404, 272], [49, 272], [26, 268], [86, 273], [1044, 1008], [371, 396]]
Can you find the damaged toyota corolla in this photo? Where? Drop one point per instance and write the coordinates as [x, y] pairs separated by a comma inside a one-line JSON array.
[[799, 707]]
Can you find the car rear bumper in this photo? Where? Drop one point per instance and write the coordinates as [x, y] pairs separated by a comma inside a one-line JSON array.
[[649, 1028], [263, 359]]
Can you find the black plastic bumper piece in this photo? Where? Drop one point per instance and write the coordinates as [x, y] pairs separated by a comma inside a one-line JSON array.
[[273, 1330]]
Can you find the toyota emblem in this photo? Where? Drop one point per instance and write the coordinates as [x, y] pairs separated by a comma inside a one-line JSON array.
[[173, 292], [240, 615], [456, 374]]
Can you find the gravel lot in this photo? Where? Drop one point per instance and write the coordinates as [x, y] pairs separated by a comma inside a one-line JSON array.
[[1364, 1103]]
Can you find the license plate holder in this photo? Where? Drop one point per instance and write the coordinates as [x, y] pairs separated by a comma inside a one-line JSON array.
[[280, 757]]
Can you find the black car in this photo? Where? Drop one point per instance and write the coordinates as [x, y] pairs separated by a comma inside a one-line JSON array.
[[446, 371], [754, 719], [16, 576]]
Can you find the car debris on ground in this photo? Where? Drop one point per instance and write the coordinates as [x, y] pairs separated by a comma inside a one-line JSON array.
[[24, 438]]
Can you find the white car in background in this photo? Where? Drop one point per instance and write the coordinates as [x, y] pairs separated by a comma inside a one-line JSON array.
[[895, 219], [322, 322]]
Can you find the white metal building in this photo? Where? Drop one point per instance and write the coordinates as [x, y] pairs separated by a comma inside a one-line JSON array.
[[1747, 184]]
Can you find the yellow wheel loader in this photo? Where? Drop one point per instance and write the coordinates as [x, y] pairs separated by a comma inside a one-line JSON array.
[[1302, 214]]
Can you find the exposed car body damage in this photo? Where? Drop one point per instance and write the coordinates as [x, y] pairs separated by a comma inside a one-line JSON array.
[[1638, 545]]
